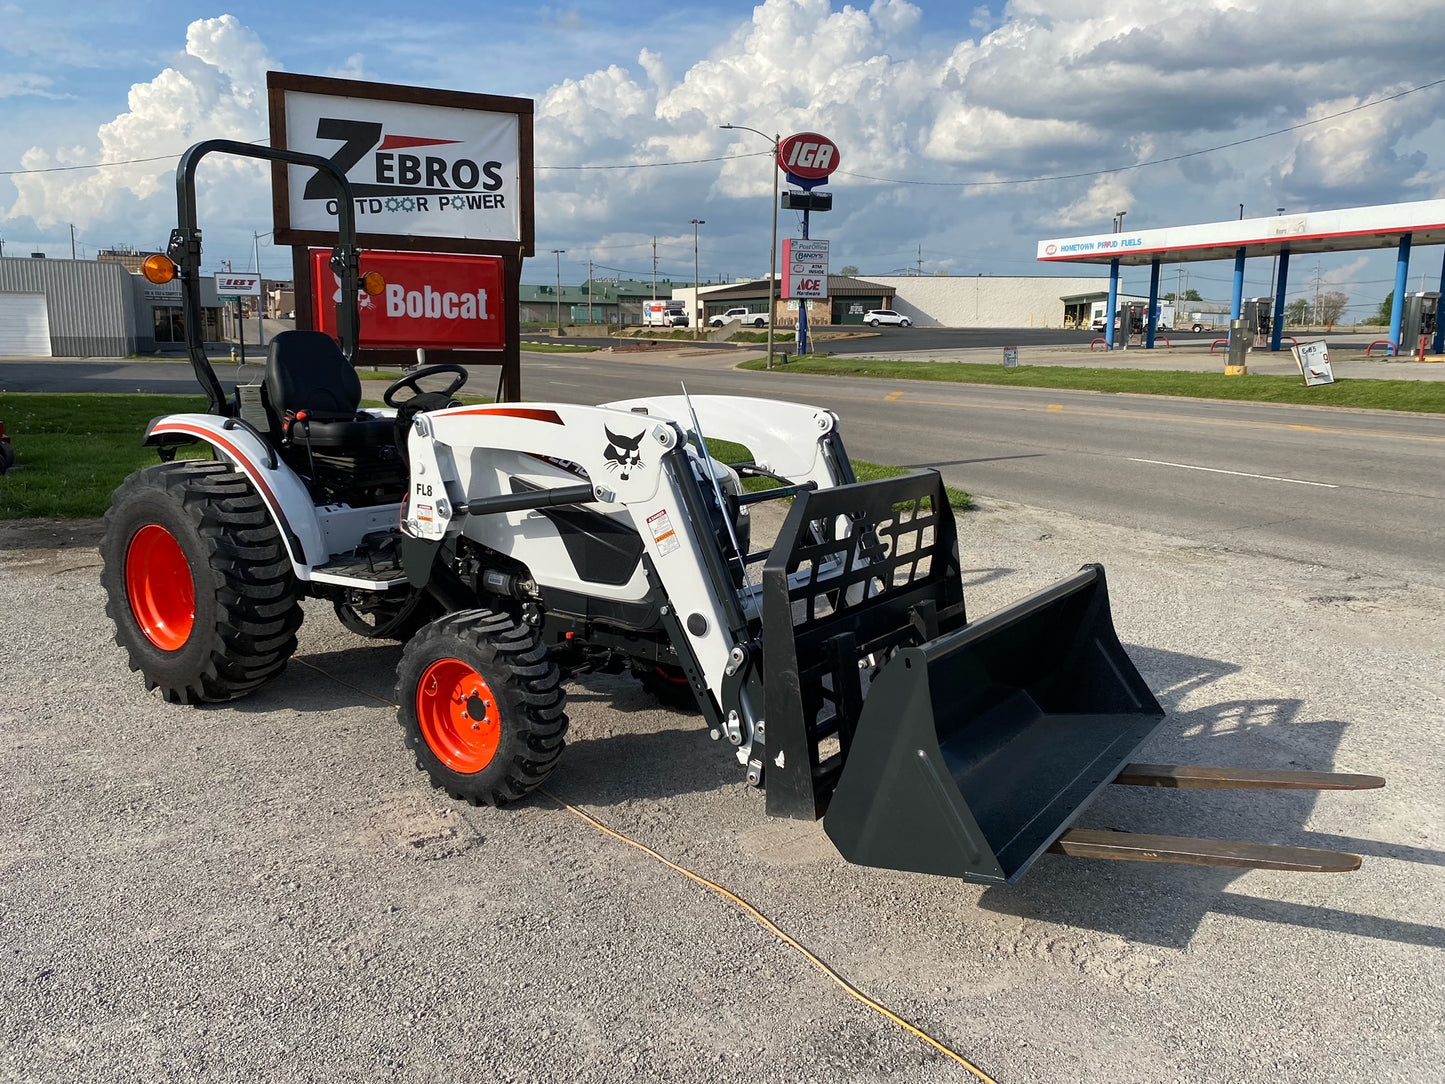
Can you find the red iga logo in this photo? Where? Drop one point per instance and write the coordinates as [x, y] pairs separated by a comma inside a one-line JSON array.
[[808, 156], [1049, 250]]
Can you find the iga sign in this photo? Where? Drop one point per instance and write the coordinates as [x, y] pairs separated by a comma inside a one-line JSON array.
[[807, 158], [432, 169], [430, 300], [805, 268]]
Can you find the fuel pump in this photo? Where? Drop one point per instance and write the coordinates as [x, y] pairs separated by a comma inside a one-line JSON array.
[[1420, 320]]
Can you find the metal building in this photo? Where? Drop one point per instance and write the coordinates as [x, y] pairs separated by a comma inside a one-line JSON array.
[[94, 308], [66, 308]]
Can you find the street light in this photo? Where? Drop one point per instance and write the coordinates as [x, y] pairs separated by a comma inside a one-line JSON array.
[[558, 253], [1119, 221], [696, 296], [773, 252]]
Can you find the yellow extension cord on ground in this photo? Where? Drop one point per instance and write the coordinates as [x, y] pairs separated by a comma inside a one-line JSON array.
[[742, 904]]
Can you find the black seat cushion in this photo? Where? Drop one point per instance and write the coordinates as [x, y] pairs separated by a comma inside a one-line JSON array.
[[307, 372]]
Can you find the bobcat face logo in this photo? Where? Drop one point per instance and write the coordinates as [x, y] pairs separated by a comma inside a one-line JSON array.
[[622, 454]]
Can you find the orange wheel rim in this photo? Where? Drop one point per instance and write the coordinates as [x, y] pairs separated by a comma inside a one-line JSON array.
[[159, 586], [458, 715]]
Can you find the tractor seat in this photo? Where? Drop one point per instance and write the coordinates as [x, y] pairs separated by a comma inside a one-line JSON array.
[[307, 374]]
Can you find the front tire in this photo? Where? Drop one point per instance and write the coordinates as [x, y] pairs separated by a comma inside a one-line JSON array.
[[872, 323], [904, 323], [481, 707], [198, 582]]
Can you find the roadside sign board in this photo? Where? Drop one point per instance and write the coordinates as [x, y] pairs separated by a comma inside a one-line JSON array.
[[805, 268], [1313, 359], [1010, 357], [431, 300], [229, 285], [433, 170]]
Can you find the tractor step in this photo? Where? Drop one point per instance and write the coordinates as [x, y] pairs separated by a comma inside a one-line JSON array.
[[1233, 854], [366, 571], [1199, 777]]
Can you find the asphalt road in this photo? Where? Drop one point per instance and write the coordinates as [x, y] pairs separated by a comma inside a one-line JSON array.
[[1348, 488]]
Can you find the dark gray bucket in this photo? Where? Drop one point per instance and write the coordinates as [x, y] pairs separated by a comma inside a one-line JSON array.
[[975, 751]]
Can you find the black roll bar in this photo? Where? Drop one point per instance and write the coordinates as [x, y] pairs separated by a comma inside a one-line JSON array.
[[185, 250]]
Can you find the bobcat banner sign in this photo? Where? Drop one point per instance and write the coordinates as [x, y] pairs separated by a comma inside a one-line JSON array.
[[436, 170], [431, 172]]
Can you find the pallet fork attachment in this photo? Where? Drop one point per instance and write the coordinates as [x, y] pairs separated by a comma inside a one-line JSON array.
[[973, 747]]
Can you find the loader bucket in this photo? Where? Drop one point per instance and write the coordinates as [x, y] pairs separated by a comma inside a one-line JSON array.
[[975, 750]]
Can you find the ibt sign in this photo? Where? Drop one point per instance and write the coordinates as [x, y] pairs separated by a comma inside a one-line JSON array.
[[238, 285], [805, 268], [431, 300]]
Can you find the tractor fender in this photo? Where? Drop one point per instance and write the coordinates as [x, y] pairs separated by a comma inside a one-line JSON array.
[[283, 492]]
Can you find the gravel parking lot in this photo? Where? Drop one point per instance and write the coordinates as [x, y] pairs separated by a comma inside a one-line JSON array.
[[268, 890]]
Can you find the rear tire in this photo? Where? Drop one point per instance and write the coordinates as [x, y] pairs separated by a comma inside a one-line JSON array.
[[481, 706], [198, 582]]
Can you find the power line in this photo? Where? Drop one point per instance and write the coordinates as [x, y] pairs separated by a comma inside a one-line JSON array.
[[654, 165], [1152, 161]]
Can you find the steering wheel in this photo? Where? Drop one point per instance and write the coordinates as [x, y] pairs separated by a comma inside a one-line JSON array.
[[458, 371]]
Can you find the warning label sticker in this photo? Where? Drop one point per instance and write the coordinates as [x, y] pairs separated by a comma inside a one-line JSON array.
[[662, 533], [423, 513]]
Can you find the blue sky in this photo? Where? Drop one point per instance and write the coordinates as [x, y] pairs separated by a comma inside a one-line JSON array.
[[944, 93]]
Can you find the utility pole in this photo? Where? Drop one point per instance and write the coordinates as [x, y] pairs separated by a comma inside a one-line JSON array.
[[591, 312], [654, 267], [1317, 293], [920, 259], [72, 240], [558, 253], [696, 297]]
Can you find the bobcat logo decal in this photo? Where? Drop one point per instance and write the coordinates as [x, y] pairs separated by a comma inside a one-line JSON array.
[[621, 453]]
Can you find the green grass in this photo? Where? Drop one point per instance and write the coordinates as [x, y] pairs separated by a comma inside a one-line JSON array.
[[529, 347], [1415, 395], [728, 452], [71, 451]]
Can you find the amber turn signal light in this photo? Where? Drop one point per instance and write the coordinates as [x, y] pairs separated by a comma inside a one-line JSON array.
[[373, 283], [158, 268]]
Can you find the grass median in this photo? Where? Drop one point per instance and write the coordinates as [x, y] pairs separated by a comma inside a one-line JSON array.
[[1425, 397], [73, 450]]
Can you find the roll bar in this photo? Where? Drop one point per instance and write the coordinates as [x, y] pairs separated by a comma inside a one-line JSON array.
[[184, 249]]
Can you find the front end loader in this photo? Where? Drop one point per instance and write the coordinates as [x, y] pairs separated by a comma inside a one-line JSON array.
[[512, 546]]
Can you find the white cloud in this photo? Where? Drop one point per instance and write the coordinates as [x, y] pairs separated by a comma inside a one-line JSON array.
[[1042, 88], [215, 89]]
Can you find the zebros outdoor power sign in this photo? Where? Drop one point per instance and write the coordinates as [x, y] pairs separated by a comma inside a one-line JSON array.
[[429, 169], [431, 300]]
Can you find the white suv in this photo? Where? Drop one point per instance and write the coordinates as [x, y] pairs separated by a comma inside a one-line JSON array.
[[874, 317]]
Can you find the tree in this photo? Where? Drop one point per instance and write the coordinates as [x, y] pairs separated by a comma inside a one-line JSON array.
[[1190, 294], [1297, 312], [1332, 307], [848, 269], [1382, 314]]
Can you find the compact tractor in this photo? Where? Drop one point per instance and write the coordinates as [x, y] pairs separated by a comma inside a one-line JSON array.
[[513, 545]]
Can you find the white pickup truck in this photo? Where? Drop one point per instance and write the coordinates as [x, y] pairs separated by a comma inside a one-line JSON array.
[[747, 316]]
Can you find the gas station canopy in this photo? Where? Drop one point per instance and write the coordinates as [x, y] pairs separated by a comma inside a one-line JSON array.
[[1315, 231]]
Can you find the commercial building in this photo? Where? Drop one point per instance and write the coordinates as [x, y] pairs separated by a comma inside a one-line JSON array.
[[94, 308]]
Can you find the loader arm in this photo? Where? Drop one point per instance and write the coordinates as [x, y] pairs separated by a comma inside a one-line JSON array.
[[487, 473]]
